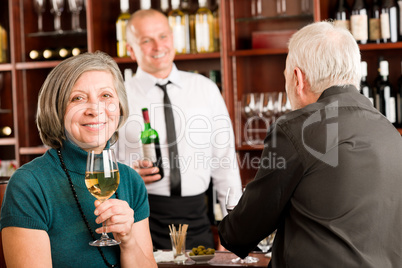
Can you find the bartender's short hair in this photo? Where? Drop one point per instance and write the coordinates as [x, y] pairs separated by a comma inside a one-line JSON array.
[[55, 92]]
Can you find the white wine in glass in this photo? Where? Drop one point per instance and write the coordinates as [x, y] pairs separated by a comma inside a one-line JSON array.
[[102, 179]]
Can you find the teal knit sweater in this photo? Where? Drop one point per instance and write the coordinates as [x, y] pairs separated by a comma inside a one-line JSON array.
[[39, 196]]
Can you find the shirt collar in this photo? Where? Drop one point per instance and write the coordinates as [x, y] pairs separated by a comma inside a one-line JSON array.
[[147, 81]]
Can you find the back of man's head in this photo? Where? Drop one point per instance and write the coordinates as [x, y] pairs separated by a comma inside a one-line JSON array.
[[328, 55]]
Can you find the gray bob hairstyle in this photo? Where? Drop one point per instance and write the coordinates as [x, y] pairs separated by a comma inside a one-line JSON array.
[[55, 93]]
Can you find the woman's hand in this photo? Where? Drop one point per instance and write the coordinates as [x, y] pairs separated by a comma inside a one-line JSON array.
[[119, 218], [135, 238], [147, 171]]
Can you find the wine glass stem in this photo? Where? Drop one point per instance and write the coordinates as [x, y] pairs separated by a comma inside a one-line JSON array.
[[40, 23], [104, 234], [57, 22]]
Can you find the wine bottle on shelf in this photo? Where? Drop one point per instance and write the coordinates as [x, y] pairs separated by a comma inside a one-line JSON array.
[[164, 6], [177, 22], [150, 143], [5, 131], [204, 36], [387, 94], [36, 54], [342, 16], [145, 4], [376, 84], [400, 19], [78, 50], [190, 25], [121, 28], [3, 44], [215, 15], [375, 22], [359, 21], [50, 54], [365, 88], [399, 100], [389, 21], [65, 53]]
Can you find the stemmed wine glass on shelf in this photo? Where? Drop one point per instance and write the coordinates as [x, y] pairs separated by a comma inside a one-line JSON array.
[[75, 7], [57, 9], [40, 7], [233, 196], [102, 179]]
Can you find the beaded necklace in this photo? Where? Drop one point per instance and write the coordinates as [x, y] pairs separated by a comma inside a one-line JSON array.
[[63, 165]]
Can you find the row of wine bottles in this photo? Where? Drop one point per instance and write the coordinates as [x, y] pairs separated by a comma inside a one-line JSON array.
[[382, 94], [193, 32], [378, 23], [55, 54]]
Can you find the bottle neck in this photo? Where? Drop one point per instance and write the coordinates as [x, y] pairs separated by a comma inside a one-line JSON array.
[[147, 125]]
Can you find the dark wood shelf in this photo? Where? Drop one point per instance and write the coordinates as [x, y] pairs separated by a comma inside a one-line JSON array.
[[382, 46], [284, 18], [33, 150], [5, 66], [36, 65], [8, 141], [259, 52]]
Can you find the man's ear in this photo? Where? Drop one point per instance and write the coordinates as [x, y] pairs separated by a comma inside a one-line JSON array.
[[302, 87], [130, 51]]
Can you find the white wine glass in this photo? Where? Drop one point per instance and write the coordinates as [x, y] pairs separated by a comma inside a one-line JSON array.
[[102, 179], [267, 242], [75, 7], [233, 196], [40, 7], [57, 9]]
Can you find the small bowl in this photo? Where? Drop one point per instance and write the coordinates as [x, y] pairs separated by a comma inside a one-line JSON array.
[[202, 258]]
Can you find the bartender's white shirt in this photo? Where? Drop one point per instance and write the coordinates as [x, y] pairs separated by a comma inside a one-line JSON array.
[[204, 132]]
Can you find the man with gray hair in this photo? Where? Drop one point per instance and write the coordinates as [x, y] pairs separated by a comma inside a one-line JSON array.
[[336, 201]]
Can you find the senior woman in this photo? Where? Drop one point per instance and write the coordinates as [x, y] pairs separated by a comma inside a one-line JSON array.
[[48, 216]]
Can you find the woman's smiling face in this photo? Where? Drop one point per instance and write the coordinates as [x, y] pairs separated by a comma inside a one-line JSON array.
[[93, 112]]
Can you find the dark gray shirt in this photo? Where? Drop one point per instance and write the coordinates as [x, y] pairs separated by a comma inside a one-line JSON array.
[[330, 182]]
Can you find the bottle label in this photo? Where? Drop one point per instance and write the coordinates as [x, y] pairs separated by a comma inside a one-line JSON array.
[[375, 29], [359, 26], [149, 152], [343, 23], [385, 29], [178, 33], [390, 105], [202, 34]]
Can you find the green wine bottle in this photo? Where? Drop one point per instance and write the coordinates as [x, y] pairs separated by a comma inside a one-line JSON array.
[[150, 143]]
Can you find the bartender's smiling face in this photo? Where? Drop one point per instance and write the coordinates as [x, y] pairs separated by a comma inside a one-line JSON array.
[[92, 113], [153, 45]]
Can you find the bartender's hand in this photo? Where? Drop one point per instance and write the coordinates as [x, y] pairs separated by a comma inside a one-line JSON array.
[[147, 171]]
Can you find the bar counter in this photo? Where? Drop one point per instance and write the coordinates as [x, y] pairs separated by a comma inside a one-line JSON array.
[[221, 259]]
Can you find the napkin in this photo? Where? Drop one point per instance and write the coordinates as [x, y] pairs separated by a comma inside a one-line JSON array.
[[163, 256]]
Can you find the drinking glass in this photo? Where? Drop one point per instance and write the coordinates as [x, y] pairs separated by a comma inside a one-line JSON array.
[[102, 179], [40, 7], [281, 7], [233, 196], [75, 7], [267, 242], [251, 110], [57, 9]]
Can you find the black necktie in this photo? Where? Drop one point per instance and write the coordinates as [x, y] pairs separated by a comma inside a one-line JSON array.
[[175, 177]]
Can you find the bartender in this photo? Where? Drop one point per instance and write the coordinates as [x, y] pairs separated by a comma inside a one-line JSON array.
[[195, 134]]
